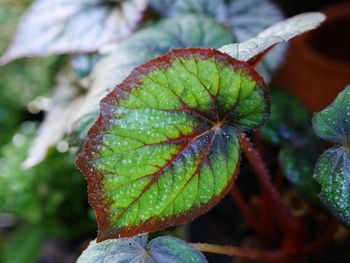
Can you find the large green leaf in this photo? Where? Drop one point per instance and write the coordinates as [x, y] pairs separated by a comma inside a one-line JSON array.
[[163, 249], [333, 168], [148, 43], [165, 149]]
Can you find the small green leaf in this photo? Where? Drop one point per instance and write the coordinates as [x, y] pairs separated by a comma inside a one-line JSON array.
[[333, 173], [333, 123], [165, 149], [164, 249]]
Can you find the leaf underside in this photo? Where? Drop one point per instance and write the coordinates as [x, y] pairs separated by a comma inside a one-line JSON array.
[[163, 249], [165, 149]]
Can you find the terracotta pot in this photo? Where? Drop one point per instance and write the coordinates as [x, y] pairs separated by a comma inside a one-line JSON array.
[[317, 65]]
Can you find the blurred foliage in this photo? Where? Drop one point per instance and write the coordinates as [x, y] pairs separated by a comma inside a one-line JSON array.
[[25, 243], [53, 188], [289, 127], [23, 80], [34, 77], [51, 195]]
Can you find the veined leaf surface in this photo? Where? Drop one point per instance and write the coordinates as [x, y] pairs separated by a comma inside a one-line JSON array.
[[332, 170], [145, 44], [165, 249], [165, 148]]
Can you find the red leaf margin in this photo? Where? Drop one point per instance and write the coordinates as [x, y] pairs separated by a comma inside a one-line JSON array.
[[95, 136]]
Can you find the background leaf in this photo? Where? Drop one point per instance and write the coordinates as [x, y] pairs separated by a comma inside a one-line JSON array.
[[58, 120], [164, 149], [280, 32], [73, 26], [289, 128], [244, 18], [298, 165], [163, 249]]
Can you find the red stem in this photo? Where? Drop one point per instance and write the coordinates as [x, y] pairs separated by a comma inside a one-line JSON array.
[[322, 240], [263, 256], [274, 200], [247, 212]]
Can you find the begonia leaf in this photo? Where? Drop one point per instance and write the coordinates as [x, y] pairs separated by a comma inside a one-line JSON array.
[[165, 147], [164, 249]]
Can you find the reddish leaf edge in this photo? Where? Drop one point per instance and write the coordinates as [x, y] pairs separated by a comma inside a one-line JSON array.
[[95, 134]]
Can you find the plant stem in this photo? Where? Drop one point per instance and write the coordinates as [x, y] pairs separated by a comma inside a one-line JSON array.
[[277, 207], [247, 212], [322, 240], [252, 254]]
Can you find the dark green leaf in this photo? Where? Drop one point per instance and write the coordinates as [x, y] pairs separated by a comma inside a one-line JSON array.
[[333, 174], [163, 249], [333, 123], [297, 165], [289, 120]]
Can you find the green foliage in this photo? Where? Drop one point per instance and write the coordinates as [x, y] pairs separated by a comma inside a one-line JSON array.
[[288, 120], [163, 249], [24, 245], [166, 150], [24, 80], [298, 165], [38, 193], [332, 171], [289, 128]]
